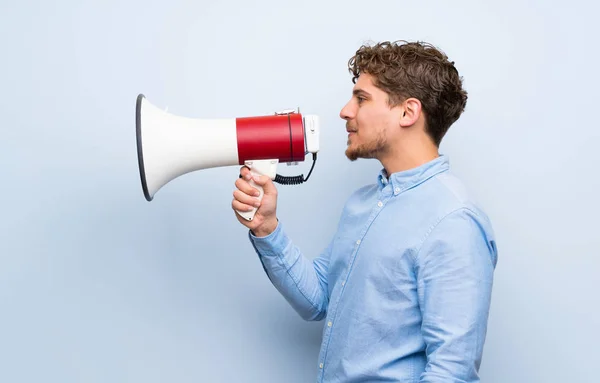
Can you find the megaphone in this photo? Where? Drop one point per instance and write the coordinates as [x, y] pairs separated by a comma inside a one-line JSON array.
[[169, 146]]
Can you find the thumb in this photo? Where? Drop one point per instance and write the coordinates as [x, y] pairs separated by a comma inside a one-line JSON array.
[[266, 183]]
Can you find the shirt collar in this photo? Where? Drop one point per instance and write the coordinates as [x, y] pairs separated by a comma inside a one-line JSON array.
[[406, 179]]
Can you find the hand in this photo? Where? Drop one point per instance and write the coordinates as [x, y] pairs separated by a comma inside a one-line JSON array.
[[245, 198]]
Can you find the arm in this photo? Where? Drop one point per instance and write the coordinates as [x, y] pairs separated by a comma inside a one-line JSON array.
[[302, 282], [455, 269]]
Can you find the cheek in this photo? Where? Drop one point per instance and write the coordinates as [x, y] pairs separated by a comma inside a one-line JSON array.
[[364, 119], [368, 122], [379, 121]]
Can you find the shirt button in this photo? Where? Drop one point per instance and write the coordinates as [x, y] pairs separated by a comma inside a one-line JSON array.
[[380, 204], [343, 283], [358, 242], [329, 324], [397, 190], [321, 365]]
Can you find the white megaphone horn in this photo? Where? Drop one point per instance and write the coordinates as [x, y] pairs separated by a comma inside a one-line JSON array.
[[169, 146]]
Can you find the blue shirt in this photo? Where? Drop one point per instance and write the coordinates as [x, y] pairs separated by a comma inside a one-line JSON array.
[[404, 286]]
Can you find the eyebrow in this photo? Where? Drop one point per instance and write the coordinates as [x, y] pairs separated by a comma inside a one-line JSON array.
[[359, 91]]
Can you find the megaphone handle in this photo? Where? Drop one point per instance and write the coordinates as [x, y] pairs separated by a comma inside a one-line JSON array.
[[249, 215], [261, 168]]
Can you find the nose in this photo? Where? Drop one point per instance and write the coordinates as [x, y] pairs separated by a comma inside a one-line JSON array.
[[347, 112]]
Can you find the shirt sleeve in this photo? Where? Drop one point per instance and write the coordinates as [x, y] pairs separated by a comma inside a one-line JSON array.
[[301, 281], [454, 270]]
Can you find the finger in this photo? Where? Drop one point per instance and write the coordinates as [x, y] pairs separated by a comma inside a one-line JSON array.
[[245, 173], [238, 206], [245, 198], [246, 188], [266, 183]]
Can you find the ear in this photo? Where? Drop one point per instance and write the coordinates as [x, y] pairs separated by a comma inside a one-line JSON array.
[[411, 112]]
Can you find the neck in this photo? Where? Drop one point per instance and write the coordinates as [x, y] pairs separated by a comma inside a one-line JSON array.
[[410, 153]]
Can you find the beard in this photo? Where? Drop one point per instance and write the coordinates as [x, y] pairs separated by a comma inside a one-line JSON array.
[[369, 149]]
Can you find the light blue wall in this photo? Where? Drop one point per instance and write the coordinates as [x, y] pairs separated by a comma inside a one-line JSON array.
[[98, 285]]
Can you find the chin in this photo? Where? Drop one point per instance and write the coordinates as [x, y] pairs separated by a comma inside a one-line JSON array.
[[352, 154]]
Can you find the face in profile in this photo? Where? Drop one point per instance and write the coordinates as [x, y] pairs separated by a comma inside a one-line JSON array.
[[370, 122]]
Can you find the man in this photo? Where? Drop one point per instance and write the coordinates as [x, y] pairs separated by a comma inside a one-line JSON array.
[[405, 284]]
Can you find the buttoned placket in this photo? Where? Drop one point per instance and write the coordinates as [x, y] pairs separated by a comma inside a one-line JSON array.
[[384, 197]]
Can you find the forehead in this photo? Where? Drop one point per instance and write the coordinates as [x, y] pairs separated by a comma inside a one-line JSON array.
[[365, 83]]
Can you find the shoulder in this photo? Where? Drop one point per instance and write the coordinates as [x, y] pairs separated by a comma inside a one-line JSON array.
[[458, 219], [450, 197]]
